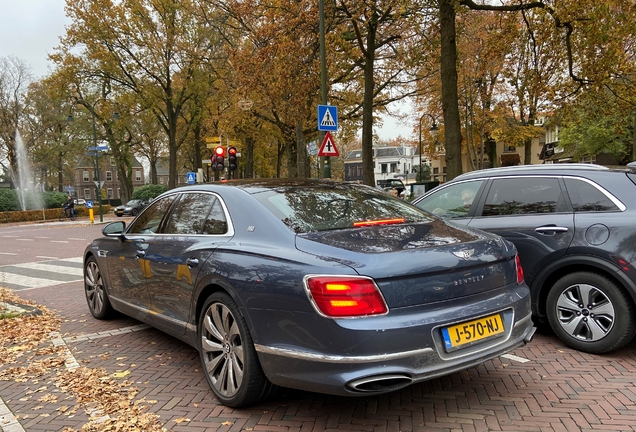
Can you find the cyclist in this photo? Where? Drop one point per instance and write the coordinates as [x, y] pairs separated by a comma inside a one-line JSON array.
[[69, 207]]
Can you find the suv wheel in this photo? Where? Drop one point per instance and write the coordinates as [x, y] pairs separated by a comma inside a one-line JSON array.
[[591, 313]]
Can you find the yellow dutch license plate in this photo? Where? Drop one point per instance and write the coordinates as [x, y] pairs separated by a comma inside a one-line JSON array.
[[472, 331]]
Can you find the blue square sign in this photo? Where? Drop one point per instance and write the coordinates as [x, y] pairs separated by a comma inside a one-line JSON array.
[[191, 177], [327, 118]]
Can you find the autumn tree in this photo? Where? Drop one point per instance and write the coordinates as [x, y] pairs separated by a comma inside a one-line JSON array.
[[15, 77], [150, 47], [594, 35], [381, 41]]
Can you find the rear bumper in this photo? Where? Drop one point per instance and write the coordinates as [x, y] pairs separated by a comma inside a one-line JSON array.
[[391, 352]]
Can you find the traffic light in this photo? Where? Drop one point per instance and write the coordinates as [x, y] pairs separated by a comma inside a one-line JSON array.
[[231, 158], [218, 162]]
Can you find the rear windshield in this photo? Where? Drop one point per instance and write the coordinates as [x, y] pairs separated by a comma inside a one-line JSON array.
[[330, 207]]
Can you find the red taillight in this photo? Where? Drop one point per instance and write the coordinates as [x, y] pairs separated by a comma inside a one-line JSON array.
[[519, 269], [379, 222], [346, 296]]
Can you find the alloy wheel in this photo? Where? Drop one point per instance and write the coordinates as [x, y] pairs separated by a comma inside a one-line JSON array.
[[222, 349], [585, 312], [94, 287]]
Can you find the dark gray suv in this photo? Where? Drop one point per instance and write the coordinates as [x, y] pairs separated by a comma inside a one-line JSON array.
[[574, 226]]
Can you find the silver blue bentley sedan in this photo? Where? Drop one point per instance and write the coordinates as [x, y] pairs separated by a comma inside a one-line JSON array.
[[311, 284]]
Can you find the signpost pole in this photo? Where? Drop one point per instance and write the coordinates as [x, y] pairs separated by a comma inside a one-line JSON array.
[[323, 77]]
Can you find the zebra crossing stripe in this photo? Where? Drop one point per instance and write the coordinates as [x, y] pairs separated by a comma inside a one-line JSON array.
[[52, 268], [41, 274]]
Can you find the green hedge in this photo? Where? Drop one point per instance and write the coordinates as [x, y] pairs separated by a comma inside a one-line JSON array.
[[9, 200], [49, 214], [149, 192]]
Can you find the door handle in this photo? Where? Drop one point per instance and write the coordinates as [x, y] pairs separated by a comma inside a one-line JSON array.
[[550, 229], [140, 253], [192, 262]]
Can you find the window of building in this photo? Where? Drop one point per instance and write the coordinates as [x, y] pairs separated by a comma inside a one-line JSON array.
[[393, 167], [112, 161], [160, 180], [85, 176], [87, 194], [509, 148], [138, 175], [118, 193], [109, 176], [360, 172], [588, 159], [383, 168], [436, 170]]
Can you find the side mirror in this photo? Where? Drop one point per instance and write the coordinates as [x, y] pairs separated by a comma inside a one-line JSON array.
[[115, 229]]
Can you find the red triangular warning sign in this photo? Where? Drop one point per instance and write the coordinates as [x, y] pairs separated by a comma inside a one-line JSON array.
[[328, 147]]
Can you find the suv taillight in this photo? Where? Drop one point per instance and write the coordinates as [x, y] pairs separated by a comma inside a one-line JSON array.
[[345, 296], [519, 269]]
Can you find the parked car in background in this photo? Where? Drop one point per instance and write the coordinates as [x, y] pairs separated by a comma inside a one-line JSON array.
[[80, 201], [131, 208], [574, 226], [316, 285], [391, 184]]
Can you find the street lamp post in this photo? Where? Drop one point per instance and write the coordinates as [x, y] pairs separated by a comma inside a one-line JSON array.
[[115, 116], [433, 129]]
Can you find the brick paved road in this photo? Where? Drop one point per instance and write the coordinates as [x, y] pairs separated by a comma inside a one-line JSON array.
[[548, 388]]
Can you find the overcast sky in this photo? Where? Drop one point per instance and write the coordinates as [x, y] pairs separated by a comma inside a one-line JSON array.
[[31, 29]]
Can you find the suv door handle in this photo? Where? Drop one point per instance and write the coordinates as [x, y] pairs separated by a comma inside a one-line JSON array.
[[550, 229], [192, 262]]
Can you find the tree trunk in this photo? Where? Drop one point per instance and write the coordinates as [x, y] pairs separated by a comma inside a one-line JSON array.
[[249, 157], [450, 106], [301, 152]]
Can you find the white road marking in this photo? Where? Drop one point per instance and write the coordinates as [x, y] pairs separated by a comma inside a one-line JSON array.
[[45, 257], [8, 422], [515, 358], [52, 268], [21, 239], [7, 253], [59, 241]]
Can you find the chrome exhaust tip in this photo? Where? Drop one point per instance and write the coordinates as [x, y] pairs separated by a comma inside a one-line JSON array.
[[380, 383]]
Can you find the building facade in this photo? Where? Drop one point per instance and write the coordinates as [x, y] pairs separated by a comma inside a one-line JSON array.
[[389, 162], [85, 178]]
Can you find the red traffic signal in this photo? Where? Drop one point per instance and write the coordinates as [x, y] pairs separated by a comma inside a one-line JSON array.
[[218, 162], [232, 158]]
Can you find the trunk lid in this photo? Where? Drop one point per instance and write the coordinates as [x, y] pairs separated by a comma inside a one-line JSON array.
[[419, 263]]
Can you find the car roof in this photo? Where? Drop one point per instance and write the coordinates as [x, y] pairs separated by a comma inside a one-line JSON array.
[[257, 185], [561, 168]]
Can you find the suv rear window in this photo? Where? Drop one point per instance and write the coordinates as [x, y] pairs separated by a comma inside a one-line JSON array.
[[585, 197], [328, 207], [524, 195]]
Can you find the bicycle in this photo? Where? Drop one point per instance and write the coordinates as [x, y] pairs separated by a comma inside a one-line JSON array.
[[67, 215]]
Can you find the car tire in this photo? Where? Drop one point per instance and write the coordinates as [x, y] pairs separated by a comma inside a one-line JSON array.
[[228, 357], [591, 313], [95, 290], [134, 212], [119, 215]]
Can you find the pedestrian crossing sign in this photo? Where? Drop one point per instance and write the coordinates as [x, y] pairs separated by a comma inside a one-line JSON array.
[[327, 118]]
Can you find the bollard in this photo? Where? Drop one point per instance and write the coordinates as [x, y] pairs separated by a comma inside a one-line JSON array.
[[90, 215]]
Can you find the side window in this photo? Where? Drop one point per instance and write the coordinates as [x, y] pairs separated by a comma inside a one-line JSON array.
[[216, 222], [190, 214], [587, 198], [452, 201], [148, 222], [526, 195]]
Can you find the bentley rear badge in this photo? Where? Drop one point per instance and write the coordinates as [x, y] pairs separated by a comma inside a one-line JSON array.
[[465, 254]]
